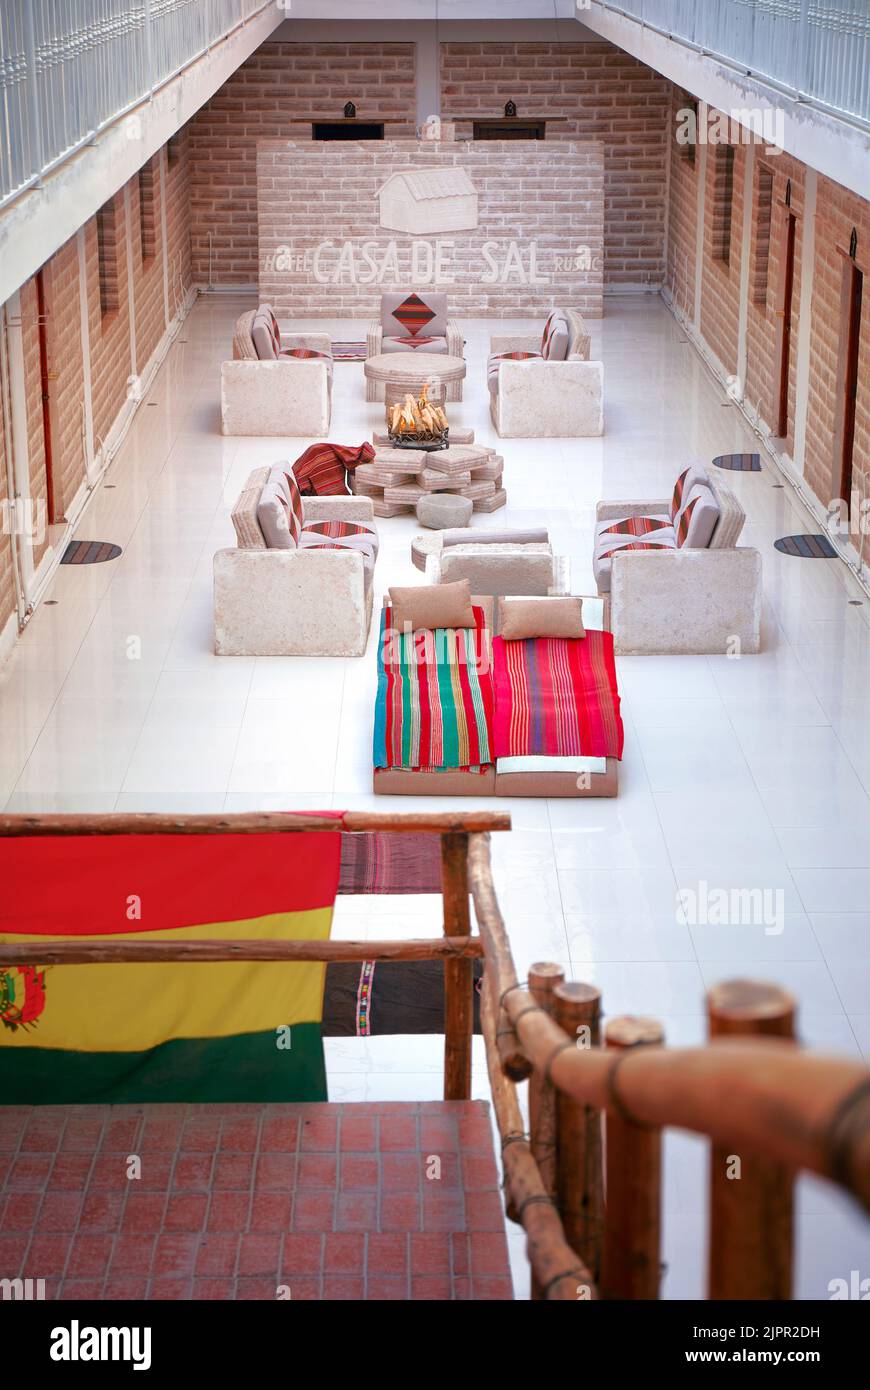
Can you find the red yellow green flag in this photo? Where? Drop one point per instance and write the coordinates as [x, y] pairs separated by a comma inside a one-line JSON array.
[[218, 1031]]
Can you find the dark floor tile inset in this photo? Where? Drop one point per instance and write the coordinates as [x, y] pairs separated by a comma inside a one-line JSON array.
[[806, 547]]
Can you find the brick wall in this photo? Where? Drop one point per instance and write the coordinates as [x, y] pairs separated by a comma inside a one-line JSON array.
[[66, 367], [683, 178], [838, 212], [277, 93], [110, 359], [7, 583], [723, 236], [532, 199], [147, 247], [35, 432], [111, 362], [762, 362], [178, 218], [605, 95]]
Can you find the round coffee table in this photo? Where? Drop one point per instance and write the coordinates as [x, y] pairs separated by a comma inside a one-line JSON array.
[[401, 372]]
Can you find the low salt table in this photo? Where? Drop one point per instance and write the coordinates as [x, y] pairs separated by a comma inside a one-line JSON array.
[[441, 511], [406, 373], [396, 479]]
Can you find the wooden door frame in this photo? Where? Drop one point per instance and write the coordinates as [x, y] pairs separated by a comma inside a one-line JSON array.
[[47, 401], [784, 314], [847, 354]]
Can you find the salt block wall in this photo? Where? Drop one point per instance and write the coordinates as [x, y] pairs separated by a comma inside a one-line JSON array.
[[533, 200], [748, 288]]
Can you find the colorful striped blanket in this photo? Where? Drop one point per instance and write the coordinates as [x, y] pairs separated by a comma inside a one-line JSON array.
[[557, 697], [434, 706]]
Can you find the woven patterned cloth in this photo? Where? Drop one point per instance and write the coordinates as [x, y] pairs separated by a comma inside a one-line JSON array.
[[434, 706], [557, 697], [383, 861]]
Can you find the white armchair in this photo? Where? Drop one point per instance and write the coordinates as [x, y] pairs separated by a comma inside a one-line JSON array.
[[309, 597], [407, 320], [277, 384], [544, 386]]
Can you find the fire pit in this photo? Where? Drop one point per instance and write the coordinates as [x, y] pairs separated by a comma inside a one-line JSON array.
[[416, 422]]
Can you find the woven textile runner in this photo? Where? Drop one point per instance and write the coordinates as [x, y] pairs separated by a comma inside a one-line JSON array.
[[557, 697], [217, 1031], [385, 862], [388, 997], [434, 705]]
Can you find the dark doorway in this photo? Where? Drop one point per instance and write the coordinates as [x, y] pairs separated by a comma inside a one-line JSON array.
[[784, 315], [347, 130], [510, 129], [847, 376]]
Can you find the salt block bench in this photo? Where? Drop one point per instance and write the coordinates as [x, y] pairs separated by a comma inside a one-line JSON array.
[[316, 1201]]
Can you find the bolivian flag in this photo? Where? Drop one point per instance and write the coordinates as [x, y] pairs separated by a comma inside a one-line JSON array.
[[234, 1031]]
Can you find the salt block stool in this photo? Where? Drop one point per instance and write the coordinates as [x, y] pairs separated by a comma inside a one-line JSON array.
[[441, 510]]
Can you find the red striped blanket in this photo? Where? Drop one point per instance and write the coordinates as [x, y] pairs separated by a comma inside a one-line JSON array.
[[557, 698], [434, 704]]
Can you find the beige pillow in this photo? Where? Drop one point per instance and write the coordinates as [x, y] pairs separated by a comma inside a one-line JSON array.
[[520, 618], [432, 605]]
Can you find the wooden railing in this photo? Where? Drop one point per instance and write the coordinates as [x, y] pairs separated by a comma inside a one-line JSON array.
[[585, 1180]]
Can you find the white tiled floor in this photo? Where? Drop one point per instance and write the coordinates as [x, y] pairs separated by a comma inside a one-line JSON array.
[[748, 773]]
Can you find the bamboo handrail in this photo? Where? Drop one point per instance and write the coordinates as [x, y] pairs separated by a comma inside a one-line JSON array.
[[796, 1109], [758, 1096], [557, 1271], [90, 951], [252, 823], [750, 1249]]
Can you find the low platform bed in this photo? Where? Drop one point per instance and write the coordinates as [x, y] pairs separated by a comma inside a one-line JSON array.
[[456, 717]]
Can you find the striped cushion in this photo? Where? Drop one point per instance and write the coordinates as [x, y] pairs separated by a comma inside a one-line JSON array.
[[414, 314], [405, 344], [338, 529], [636, 545], [696, 522], [352, 533], [279, 510], [679, 489], [556, 337], [611, 537], [684, 520], [636, 526], [497, 358], [305, 353]]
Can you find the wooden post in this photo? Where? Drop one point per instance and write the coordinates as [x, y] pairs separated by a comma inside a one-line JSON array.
[[631, 1262], [458, 974], [751, 1199], [543, 980], [579, 1178]]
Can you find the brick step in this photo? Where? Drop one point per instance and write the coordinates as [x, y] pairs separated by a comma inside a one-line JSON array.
[[334, 1201]]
